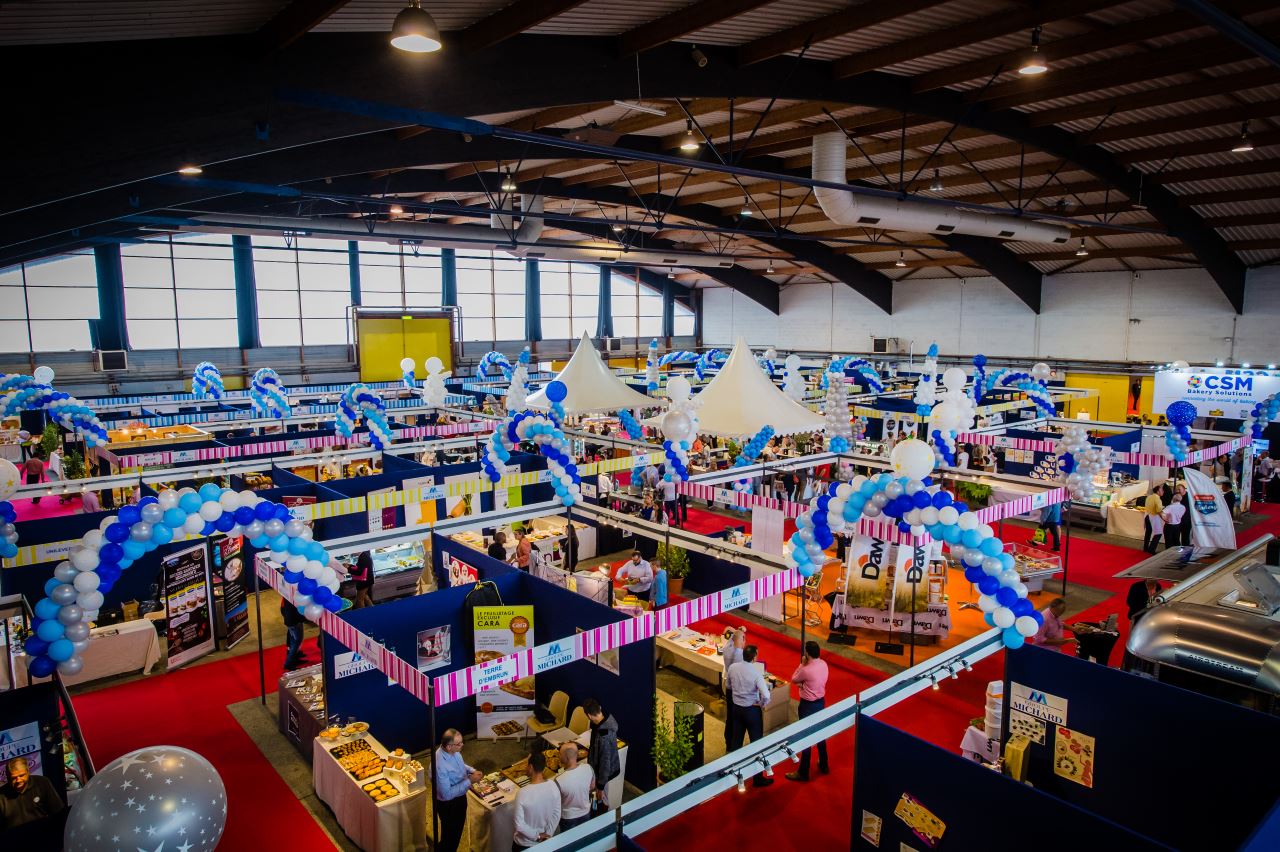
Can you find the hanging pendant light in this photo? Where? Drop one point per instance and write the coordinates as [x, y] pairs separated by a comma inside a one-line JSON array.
[[936, 186], [415, 31], [690, 143], [1033, 61], [1245, 144], [1082, 251], [746, 208], [508, 182], [901, 262], [769, 271]]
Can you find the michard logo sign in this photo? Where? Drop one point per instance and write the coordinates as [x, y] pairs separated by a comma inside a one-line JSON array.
[[553, 654], [735, 597], [1042, 705]]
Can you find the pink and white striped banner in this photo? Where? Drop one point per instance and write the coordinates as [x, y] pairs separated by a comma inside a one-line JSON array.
[[1140, 458], [990, 440], [1029, 503], [719, 493]]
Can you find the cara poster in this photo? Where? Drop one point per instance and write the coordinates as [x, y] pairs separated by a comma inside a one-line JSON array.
[[228, 573], [21, 741], [501, 710], [187, 604]]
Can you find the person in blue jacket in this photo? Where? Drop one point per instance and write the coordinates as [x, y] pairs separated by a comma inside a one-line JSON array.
[[658, 592]]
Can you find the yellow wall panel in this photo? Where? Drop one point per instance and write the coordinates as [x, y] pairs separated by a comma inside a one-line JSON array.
[[424, 337], [1112, 401], [384, 341]]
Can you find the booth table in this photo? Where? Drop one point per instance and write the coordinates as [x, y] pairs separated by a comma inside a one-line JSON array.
[[1123, 521], [682, 649], [390, 826], [115, 649], [491, 820]]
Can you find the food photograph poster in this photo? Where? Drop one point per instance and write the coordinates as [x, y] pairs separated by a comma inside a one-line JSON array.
[[501, 711]]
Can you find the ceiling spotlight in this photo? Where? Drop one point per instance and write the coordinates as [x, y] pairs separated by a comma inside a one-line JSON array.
[[742, 784], [1082, 251], [191, 170], [1245, 145], [1220, 364], [901, 262], [396, 210], [795, 758], [618, 228], [746, 208], [1245, 365], [768, 770], [699, 58], [936, 186], [769, 271], [968, 666], [955, 672], [1271, 366], [690, 143], [415, 31], [1033, 61], [508, 182], [933, 679]]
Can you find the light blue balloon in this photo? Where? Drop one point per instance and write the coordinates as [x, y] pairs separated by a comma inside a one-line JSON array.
[[298, 546], [161, 534], [951, 534], [991, 547], [1013, 640], [280, 542], [260, 542], [970, 538], [209, 491], [1006, 561], [60, 649], [174, 517], [46, 609], [50, 631], [133, 549], [190, 504]]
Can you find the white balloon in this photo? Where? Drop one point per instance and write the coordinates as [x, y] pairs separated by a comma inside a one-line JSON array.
[[948, 515], [43, 375], [85, 559], [1041, 371], [1003, 617], [87, 581], [929, 516], [168, 499], [792, 363], [194, 524], [892, 491], [968, 521], [249, 499], [954, 379], [678, 389], [911, 516], [311, 569], [406, 365], [1026, 625], [912, 458], [296, 563], [92, 539], [985, 530], [434, 364], [210, 510], [314, 612], [675, 425], [229, 501], [986, 603], [89, 601], [106, 522]]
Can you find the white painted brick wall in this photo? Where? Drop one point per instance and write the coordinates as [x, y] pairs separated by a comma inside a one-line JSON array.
[[1179, 313]]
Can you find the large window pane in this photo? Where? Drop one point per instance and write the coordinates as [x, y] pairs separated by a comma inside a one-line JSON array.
[[555, 328], [325, 277], [146, 304], [208, 333], [206, 304], [60, 303], [554, 306], [326, 305], [650, 326], [273, 304], [272, 275], [13, 336], [72, 270], [509, 328], [379, 279], [60, 336], [280, 332], [153, 333], [683, 325], [147, 271], [319, 332], [477, 328], [205, 274]]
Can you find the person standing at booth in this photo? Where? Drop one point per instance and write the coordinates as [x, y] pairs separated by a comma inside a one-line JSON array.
[[602, 751], [640, 573], [294, 626], [1175, 515], [748, 693], [1052, 633], [363, 576], [453, 779], [576, 784], [498, 549], [1050, 521], [1151, 510], [811, 678], [523, 549], [537, 806]]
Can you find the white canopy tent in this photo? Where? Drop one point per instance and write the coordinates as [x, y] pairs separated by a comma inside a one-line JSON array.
[[741, 400], [592, 386]]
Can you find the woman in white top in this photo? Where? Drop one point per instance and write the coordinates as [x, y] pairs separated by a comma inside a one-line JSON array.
[[1171, 516]]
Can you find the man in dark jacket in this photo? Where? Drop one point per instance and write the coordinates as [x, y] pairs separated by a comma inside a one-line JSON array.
[[602, 753], [1139, 597], [293, 623]]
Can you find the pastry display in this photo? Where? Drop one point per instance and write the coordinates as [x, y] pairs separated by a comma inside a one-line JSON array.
[[330, 733], [380, 790], [348, 749], [363, 764], [355, 728]]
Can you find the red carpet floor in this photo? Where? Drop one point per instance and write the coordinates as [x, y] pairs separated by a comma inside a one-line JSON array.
[[48, 507], [188, 708]]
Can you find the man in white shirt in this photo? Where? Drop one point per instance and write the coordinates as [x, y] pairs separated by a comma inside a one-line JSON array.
[[670, 506], [748, 694], [641, 574], [537, 807], [604, 487], [575, 783], [962, 458]]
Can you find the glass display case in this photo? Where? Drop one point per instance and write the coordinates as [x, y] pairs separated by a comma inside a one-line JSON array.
[[1034, 565], [396, 569]]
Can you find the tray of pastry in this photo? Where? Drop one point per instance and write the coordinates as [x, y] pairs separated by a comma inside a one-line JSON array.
[[363, 765], [553, 757], [349, 748], [380, 790]]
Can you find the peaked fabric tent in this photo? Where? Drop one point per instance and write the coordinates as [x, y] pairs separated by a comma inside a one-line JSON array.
[[592, 386], [741, 400]]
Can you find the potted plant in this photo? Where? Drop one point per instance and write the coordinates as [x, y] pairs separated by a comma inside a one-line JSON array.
[[676, 562], [72, 468], [973, 494], [50, 438], [672, 742]]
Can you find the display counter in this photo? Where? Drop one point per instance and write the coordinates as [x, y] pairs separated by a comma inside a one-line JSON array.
[[491, 804], [300, 695], [1033, 565], [375, 804], [125, 648], [546, 535], [396, 569], [590, 583], [696, 654], [1126, 521]]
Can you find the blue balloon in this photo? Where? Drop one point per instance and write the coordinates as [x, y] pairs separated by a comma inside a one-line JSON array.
[[1038, 616], [225, 523], [175, 517], [556, 391], [282, 514], [292, 576], [133, 549], [1022, 606], [992, 547], [298, 546], [921, 499], [129, 515], [161, 534], [260, 542], [306, 585], [209, 493], [1013, 640], [244, 516], [207, 529], [280, 542], [315, 550], [265, 510], [117, 533], [61, 649], [988, 585], [109, 573], [321, 594], [1006, 596], [49, 585], [35, 646], [46, 608], [190, 503], [973, 575], [961, 507], [42, 667], [147, 501], [952, 534], [333, 604], [1007, 561], [50, 631]]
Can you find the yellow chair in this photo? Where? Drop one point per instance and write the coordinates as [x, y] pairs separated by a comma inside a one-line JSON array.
[[559, 707], [578, 722]]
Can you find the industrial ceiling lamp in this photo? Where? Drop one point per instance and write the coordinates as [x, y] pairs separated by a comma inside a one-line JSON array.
[[1082, 251], [508, 182], [415, 31], [690, 143], [901, 262], [1245, 145], [190, 170], [396, 210], [746, 207], [1033, 61], [769, 271], [936, 186]]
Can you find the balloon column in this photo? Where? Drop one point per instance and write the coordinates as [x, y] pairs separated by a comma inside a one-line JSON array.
[[270, 399], [206, 381], [868, 373], [792, 380], [631, 425], [749, 453], [1032, 384], [494, 359], [766, 361], [162, 797], [1080, 461], [33, 393], [433, 389], [927, 387], [406, 369], [547, 433], [651, 367], [706, 361], [836, 410], [1262, 413], [518, 391], [680, 428], [10, 479], [953, 415], [358, 400], [682, 356], [1177, 437], [75, 593], [905, 495]]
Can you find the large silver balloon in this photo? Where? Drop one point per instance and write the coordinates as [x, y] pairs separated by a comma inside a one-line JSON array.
[[65, 572], [152, 513], [76, 632], [63, 594], [160, 797]]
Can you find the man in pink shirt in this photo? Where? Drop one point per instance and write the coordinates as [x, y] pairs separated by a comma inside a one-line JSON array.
[[1051, 633], [811, 678]]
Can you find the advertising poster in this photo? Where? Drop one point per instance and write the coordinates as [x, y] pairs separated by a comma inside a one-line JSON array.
[[434, 648], [509, 498], [1211, 524], [463, 504], [228, 574], [460, 573], [878, 593], [501, 711], [187, 605], [381, 519], [22, 741], [1073, 756], [420, 511], [1215, 393]]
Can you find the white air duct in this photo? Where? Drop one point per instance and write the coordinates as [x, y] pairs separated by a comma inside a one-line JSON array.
[[847, 208]]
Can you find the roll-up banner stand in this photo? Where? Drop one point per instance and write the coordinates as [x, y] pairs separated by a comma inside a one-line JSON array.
[[188, 604]]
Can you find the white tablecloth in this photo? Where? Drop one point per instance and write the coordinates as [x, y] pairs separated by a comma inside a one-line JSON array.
[[125, 648], [1125, 522], [491, 827], [678, 653], [391, 826]]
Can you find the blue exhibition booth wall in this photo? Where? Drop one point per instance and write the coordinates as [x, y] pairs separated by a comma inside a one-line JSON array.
[[1179, 767], [398, 719], [977, 808]]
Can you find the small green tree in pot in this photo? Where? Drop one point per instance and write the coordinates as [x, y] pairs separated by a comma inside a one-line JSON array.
[[672, 742], [50, 438], [973, 494], [675, 560]]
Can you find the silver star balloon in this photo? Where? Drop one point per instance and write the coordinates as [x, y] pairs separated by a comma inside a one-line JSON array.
[[155, 798]]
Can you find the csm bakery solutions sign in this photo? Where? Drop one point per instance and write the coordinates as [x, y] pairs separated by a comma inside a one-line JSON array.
[[1215, 393]]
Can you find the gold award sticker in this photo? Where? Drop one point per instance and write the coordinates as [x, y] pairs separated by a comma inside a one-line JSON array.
[[519, 627]]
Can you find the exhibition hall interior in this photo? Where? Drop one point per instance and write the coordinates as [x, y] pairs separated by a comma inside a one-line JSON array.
[[646, 425]]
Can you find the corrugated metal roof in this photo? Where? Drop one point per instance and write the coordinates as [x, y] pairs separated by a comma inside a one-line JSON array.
[[378, 15], [57, 21]]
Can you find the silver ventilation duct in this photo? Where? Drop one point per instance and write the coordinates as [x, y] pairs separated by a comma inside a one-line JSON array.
[[847, 208]]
